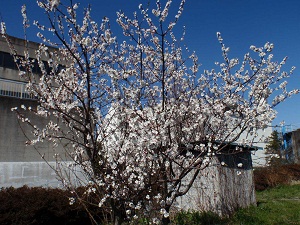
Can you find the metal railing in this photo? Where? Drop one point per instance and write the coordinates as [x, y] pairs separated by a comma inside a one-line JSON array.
[[15, 89]]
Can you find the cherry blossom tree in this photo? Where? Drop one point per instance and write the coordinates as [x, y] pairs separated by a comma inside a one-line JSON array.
[[134, 113]]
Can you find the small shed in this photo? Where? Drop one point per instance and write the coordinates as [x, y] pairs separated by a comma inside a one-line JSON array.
[[225, 185]]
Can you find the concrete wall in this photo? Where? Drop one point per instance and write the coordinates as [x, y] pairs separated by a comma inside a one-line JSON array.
[[10, 74], [220, 189], [21, 164], [20, 45], [42, 174], [17, 174], [12, 134]]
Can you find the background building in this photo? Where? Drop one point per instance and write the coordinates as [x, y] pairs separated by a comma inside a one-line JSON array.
[[259, 156], [20, 164], [291, 145]]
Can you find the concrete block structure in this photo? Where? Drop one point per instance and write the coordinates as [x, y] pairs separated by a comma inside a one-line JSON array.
[[224, 186]]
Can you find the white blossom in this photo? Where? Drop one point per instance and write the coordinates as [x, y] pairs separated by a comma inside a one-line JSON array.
[[54, 4]]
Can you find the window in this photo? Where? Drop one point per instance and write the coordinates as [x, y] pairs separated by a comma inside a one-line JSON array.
[[7, 61]]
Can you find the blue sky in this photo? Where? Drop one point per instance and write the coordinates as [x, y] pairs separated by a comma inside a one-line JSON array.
[[241, 22]]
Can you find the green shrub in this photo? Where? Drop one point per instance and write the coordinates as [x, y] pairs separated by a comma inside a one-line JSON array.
[[41, 206]]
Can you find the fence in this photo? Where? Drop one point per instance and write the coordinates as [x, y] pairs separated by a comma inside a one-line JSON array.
[[14, 89]]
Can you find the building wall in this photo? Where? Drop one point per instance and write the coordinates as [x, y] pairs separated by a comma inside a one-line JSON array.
[[258, 156], [17, 174], [21, 164], [291, 145], [296, 146], [20, 45], [13, 133]]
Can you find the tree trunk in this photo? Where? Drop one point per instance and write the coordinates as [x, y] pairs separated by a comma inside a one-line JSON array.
[[117, 220], [118, 215], [166, 220]]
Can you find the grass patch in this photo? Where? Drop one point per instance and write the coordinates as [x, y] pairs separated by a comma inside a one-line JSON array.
[[280, 205], [276, 206], [280, 192]]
